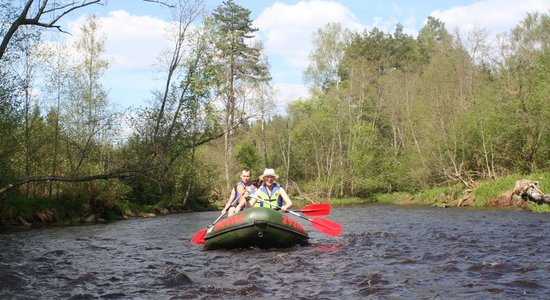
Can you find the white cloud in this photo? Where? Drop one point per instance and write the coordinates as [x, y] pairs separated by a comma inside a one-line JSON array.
[[287, 32], [496, 16], [133, 45], [387, 23], [132, 42], [288, 29], [288, 92]]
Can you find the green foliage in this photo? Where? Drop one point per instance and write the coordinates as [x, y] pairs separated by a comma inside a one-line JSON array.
[[145, 191], [442, 194], [391, 117], [108, 193], [65, 208], [201, 179], [431, 37], [366, 156], [329, 43], [110, 215], [247, 157], [430, 113], [393, 198], [129, 208]]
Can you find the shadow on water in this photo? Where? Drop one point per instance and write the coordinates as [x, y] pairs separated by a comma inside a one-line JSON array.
[[384, 252]]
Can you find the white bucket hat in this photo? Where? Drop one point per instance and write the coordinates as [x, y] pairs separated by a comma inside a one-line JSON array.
[[268, 172]]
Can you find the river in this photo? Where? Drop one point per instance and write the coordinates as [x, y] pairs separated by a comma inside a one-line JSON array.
[[385, 251]]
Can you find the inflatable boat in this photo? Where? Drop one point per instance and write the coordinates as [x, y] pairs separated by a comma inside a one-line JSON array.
[[256, 227]]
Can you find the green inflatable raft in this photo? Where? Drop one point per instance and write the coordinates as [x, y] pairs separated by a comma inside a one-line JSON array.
[[256, 227]]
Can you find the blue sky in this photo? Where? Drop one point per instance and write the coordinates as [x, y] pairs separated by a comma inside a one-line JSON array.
[[135, 33]]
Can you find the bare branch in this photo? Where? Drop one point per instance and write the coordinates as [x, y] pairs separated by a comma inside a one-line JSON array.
[[121, 174], [36, 20], [165, 3], [84, 4]]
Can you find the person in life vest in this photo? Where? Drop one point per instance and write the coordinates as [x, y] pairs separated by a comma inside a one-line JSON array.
[[247, 195], [271, 193], [239, 194]]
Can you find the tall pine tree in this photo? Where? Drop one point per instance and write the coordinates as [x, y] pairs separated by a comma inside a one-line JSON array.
[[239, 65]]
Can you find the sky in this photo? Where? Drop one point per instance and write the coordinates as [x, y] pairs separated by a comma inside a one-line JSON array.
[[136, 35]]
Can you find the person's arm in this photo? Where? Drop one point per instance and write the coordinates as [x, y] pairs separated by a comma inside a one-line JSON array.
[[229, 201], [242, 200], [253, 201], [252, 192], [244, 197], [286, 199]]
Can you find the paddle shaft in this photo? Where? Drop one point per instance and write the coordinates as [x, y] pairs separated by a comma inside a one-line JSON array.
[[198, 238], [290, 211], [255, 197], [232, 202], [217, 220]]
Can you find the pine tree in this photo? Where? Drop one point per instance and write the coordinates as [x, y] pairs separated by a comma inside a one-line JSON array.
[[239, 66]]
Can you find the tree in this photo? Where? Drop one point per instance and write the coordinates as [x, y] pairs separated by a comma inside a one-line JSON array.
[[31, 116], [182, 117], [329, 43], [185, 14], [58, 89], [524, 90], [430, 36], [40, 13], [87, 116], [43, 13], [323, 71], [239, 67]]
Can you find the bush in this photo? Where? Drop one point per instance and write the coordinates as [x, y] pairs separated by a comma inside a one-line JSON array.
[[65, 208]]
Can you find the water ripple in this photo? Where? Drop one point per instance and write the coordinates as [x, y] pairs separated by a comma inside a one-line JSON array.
[[384, 252]]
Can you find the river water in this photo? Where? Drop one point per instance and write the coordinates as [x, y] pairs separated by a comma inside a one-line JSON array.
[[384, 252]]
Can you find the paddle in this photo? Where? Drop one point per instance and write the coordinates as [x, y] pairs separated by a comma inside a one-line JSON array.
[[323, 225], [321, 209], [198, 238]]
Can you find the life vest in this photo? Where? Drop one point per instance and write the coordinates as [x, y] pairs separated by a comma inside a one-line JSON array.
[[239, 190], [274, 198]]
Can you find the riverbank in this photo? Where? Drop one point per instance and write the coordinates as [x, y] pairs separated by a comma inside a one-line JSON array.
[[40, 213], [487, 193]]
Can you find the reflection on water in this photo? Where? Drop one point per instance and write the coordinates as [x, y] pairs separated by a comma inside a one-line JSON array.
[[384, 252]]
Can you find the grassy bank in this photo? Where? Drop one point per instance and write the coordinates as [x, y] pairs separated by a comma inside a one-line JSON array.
[[482, 194]]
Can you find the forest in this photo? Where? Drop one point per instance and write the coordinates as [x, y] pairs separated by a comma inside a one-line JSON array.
[[388, 113]]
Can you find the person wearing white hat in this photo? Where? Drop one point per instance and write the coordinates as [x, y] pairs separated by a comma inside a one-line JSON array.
[[271, 193]]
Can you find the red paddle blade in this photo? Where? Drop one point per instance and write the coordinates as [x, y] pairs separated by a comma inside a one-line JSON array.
[[326, 226], [199, 237], [321, 209]]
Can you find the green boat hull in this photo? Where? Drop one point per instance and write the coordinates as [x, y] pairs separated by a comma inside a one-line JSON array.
[[256, 227]]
